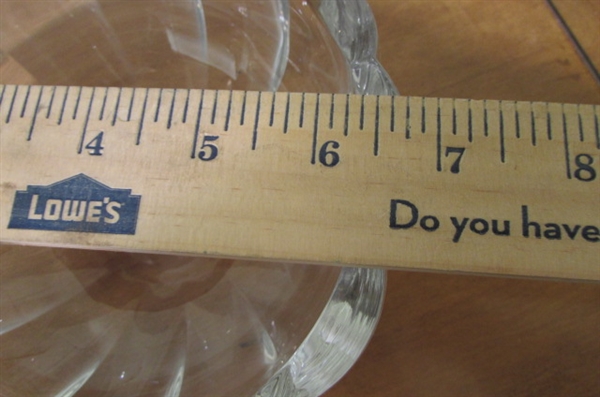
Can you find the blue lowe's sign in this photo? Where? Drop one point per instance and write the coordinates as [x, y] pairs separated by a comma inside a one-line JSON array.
[[78, 204]]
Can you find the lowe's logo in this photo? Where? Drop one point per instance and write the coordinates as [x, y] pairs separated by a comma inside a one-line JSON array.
[[78, 204]]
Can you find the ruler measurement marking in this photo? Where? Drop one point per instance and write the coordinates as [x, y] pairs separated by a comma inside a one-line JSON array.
[[347, 115], [393, 115], [566, 144], [103, 104], [470, 123], [533, 126], [243, 115], [12, 104], [130, 111], [272, 114], [549, 116], [548, 124], [185, 107], [301, 121], [376, 143], [51, 102], [597, 130], [214, 108], [256, 118], [170, 118], [502, 121], [287, 113], [116, 110], [197, 126], [228, 113], [158, 102], [2, 93], [485, 118], [331, 111], [580, 125], [25, 103], [423, 118], [362, 112], [454, 128], [502, 143], [77, 103], [315, 131], [35, 113], [438, 137], [141, 124], [408, 120], [85, 123], [517, 122], [62, 109]]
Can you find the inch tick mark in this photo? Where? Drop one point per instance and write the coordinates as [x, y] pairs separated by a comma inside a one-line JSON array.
[[12, 104], [596, 129], [77, 101], [470, 123], [502, 144], [362, 112], [301, 121], [197, 126], [243, 115], [228, 113], [533, 127], [580, 125], [423, 119], [347, 115], [51, 102], [408, 120], [141, 125], [393, 115], [35, 113], [130, 111], [548, 124], [214, 108], [438, 137], [185, 107], [331, 111], [566, 144], [313, 158], [256, 120], [376, 143], [101, 116], [517, 122], [157, 113], [85, 123], [62, 109], [25, 102], [2, 93], [287, 113], [454, 129], [485, 119], [171, 109], [116, 109], [272, 114]]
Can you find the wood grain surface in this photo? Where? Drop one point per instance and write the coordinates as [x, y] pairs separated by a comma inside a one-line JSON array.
[[447, 335]]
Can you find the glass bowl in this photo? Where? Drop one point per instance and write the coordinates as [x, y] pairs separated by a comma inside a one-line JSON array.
[[89, 323]]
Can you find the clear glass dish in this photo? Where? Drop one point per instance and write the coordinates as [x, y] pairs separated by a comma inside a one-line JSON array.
[[87, 323]]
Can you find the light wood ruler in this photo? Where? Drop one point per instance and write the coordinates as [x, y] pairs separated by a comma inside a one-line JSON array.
[[494, 187]]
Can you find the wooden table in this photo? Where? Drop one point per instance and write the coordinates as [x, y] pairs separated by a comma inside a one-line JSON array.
[[457, 335]]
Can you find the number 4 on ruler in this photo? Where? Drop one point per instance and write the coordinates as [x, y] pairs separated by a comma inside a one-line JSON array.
[[94, 146]]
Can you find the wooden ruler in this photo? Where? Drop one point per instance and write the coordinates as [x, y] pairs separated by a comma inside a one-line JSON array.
[[495, 187]]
